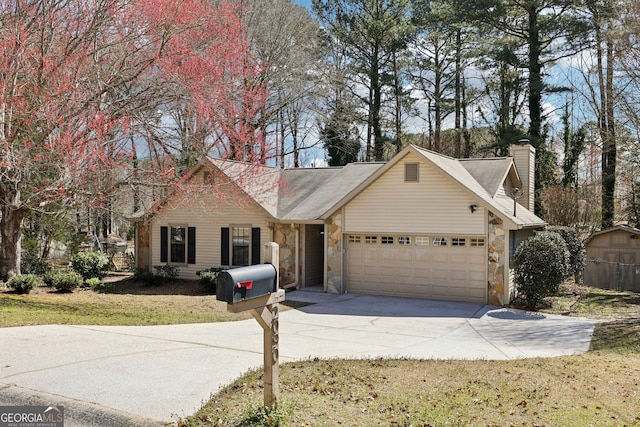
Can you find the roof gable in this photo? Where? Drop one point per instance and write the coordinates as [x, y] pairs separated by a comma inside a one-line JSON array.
[[260, 183], [299, 194], [491, 173], [460, 173]]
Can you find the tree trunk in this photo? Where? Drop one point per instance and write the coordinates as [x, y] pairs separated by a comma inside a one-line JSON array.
[[535, 80], [458, 94], [437, 98], [609, 152], [398, 93], [606, 122], [378, 141], [11, 238]]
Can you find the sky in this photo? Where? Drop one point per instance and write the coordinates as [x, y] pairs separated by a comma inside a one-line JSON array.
[[305, 3]]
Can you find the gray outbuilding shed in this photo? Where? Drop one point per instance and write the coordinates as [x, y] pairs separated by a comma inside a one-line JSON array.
[[613, 259]]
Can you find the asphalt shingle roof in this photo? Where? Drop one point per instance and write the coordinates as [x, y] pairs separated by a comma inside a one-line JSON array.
[[307, 194]]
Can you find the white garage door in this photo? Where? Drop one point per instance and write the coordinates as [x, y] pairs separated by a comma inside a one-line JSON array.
[[430, 267]]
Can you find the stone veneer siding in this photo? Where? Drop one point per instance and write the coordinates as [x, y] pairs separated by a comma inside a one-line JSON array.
[[285, 236], [334, 254], [496, 259], [143, 245]]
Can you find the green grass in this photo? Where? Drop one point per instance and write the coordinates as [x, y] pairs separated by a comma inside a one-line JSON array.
[[598, 302], [595, 303], [89, 308], [620, 336], [143, 306]]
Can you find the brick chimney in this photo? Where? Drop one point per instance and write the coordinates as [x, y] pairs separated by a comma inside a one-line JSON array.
[[524, 157]]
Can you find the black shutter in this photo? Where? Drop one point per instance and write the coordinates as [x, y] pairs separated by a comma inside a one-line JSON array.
[[191, 248], [224, 246], [255, 245], [164, 244]]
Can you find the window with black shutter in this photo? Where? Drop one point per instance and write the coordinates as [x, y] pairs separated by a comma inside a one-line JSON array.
[[240, 245], [178, 244], [164, 244], [224, 246], [255, 245], [191, 245]]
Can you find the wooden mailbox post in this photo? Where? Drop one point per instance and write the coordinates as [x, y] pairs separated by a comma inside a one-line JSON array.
[[264, 308]]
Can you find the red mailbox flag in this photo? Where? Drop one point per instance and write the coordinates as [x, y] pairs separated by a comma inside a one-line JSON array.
[[246, 284]]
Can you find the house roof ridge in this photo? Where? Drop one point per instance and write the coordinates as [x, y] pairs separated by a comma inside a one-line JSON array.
[[417, 147], [466, 159]]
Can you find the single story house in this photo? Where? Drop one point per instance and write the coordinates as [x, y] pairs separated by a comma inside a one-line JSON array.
[[422, 225], [613, 259]]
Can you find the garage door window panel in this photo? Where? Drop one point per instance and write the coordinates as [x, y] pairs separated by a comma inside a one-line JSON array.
[[477, 242], [404, 240], [422, 241], [458, 241], [439, 241]]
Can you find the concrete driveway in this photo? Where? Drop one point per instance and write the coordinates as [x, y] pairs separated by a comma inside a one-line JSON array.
[[149, 375]]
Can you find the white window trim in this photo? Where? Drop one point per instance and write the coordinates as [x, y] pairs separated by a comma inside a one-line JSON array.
[[231, 228], [170, 228]]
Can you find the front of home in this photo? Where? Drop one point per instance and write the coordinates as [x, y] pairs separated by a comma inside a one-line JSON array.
[[422, 225]]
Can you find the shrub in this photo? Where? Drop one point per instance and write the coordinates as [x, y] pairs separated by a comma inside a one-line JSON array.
[[98, 285], [541, 263], [24, 283], [166, 273], [50, 277], [144, 276], [90, 264], [163, 274], [31, 263], [577, 251], [63, 280], [209, 278]]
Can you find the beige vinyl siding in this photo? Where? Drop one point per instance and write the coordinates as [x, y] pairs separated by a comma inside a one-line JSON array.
[[432, 205], [524, 160], [208, 217], [506, 189]]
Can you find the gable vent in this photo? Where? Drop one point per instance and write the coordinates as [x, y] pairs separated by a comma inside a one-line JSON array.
[[411, 172]]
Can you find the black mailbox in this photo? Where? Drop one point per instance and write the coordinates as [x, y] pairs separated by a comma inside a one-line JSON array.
[[243, 283]]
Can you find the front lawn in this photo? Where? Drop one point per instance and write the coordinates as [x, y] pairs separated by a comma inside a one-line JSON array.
[[130, 303], [597, 389], [600, 388]]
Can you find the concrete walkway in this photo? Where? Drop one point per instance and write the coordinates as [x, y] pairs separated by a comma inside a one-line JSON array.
[[147, 375]]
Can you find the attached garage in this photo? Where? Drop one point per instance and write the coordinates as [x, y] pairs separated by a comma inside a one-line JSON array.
[[417, 266]]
